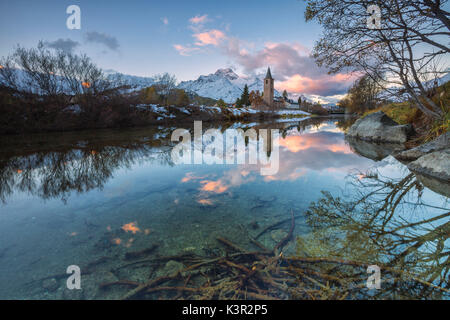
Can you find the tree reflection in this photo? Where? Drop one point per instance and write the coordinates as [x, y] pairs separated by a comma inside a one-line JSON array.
[[57, 174], [56, 165], [389, 223]]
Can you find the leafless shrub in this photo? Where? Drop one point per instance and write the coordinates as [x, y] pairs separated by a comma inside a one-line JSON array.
[[165, 85]]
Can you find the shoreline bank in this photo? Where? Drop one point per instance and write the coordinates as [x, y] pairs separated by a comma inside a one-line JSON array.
[[72, 119]]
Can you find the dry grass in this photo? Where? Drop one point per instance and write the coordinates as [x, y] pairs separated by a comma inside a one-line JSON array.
[[401, 113], [405, 113]]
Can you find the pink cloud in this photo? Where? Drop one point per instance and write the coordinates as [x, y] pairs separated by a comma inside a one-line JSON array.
[[212, 37], [324, 85], [313, 141], [185, 51], [285, 58], [199, 19], [218, 186], [292, 66]]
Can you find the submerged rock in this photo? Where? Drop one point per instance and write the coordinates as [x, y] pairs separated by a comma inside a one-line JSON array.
[[170, 269], [254, 225], [265, 199], [91, 288], [50, 284], [435, 164], [378, 127], [440, 143], [278, 235]]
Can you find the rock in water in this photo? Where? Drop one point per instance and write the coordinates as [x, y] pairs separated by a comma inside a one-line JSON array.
[[265, 199], [50, 284], [170, 269], [254, 225], [378, 127], [278, 235], [435, 164], [440, 143], [91, 288]]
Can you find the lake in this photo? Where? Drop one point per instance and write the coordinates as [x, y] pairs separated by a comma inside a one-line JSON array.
[[113, 203]]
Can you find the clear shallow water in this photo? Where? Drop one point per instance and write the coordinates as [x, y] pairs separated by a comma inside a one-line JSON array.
[[90, 198]]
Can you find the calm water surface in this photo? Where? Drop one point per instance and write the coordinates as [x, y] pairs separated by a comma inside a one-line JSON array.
[[89, 198]]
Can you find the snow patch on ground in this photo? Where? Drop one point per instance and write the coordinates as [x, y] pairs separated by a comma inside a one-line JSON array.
[[292, 112], [166, 112], [73, 108], [292, 119]]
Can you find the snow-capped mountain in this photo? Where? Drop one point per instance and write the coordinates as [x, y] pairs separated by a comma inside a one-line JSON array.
[[223, 84], [136, 82]]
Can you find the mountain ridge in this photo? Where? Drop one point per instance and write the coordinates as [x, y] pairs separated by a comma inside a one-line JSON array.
[[224, 84]]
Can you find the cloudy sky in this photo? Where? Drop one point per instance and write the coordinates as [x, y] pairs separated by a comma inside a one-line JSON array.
[[187, 38]]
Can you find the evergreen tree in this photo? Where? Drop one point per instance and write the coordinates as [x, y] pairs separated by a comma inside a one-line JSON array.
[[299, 101], [285, 95], [238, 103], [245, 97]]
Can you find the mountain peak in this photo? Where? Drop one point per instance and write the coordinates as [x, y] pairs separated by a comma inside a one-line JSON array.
[[224, 84], [227, 73]]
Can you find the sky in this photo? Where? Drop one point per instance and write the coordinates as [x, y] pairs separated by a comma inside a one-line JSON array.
[[186, 38]]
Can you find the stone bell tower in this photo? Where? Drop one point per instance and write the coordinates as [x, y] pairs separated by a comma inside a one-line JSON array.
[[268, 88]]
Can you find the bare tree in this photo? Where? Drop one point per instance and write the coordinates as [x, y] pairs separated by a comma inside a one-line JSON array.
[[406, 48], [362, 96], [52, 73], [165, 84], [8, 75]]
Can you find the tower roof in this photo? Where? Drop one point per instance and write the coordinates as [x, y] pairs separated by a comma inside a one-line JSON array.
[[269, 74]]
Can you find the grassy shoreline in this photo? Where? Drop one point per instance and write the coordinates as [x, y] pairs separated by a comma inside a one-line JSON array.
[[425, 128]]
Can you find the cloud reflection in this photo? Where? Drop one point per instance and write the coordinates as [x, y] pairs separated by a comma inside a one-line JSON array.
[[325, 152]]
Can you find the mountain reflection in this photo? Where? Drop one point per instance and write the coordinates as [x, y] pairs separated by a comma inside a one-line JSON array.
[[56, 165]]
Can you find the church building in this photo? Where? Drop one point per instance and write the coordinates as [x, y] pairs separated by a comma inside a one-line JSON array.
[[268, 101], [269, 89]]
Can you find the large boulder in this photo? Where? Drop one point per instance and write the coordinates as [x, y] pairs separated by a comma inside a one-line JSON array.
[[440, 143], [378, 127], [435, 164]]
